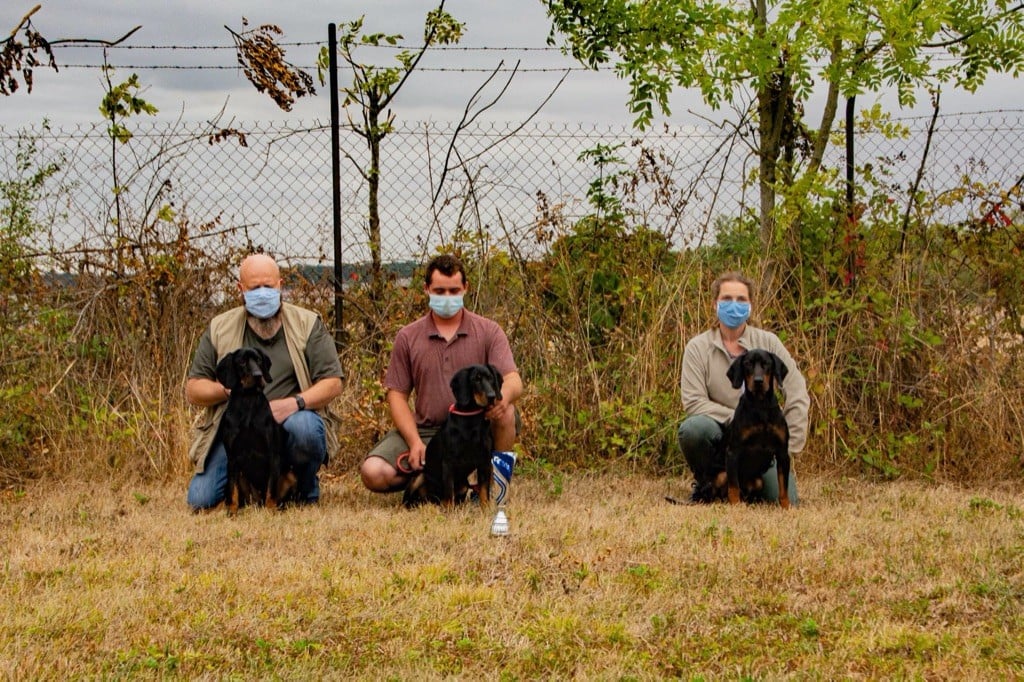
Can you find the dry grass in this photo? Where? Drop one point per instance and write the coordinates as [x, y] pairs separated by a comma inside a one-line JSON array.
[[600, 579]]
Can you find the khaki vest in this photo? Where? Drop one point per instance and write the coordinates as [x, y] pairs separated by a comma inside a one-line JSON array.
[[226, 332]]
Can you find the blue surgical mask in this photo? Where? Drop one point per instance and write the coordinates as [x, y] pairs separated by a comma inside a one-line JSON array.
[[446, 306], [263, 302], [733, 313]]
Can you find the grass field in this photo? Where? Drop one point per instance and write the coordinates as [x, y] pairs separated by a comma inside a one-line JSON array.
[[600, 579]]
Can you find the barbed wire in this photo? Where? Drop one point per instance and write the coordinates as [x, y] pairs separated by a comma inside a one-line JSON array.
[[227, 67], [944, 57], [322, 43]]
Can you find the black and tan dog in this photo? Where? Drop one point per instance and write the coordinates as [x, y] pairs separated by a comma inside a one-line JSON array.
[[462, 445], [258, 471], [758, 433]]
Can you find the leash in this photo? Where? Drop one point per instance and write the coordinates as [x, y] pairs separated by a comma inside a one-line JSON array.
[[402, 463]]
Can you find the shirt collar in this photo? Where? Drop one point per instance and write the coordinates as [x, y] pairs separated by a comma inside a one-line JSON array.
[[742, 340], [463, 329]]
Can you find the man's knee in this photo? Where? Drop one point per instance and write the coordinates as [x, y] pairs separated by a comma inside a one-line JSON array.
[[368, 471], [307, 450], [207, 489], [203, 493], [379, 476], [306, 432], [505, 431]]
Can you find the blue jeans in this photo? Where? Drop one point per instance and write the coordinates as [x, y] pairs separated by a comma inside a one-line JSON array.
[[699, 435], [307, 443]]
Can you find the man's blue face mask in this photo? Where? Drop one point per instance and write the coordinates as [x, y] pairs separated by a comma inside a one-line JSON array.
[[446, 307], [733, 313], [263, 302]]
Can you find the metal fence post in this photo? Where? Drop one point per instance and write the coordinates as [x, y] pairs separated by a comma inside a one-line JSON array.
[[332, 51]]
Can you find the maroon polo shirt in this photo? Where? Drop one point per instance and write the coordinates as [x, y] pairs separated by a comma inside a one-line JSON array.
[[422, 361]]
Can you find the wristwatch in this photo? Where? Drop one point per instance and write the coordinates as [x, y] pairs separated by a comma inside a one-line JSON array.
[[300, 401]]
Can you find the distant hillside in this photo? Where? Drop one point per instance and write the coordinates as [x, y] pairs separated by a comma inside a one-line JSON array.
[[401, 271]]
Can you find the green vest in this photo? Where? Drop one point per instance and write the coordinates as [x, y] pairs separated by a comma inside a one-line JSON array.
[[226, 333]]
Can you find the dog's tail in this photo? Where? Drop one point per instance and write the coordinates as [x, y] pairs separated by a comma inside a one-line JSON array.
[[285, 485]]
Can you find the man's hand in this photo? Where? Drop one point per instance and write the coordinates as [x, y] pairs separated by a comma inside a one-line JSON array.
[[417, 456], [282, 408], [498, 411]]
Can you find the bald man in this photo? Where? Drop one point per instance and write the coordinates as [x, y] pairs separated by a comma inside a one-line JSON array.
[[307, 377]]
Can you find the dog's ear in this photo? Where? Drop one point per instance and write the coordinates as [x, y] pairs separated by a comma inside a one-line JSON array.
[[735, 372], [227, 373], [264, 364], [498, 379], [780, 369], [462, 387]]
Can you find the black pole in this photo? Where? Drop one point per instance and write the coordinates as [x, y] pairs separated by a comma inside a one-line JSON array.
[[852, 229], [850, 118], [332, 62]]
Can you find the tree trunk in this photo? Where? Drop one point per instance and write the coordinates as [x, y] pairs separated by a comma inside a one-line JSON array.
[[377, 284]]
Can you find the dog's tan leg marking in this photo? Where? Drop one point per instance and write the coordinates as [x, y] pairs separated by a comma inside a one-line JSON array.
[[783, 492]]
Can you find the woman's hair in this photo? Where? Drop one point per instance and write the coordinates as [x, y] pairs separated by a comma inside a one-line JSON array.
[[732, 276], [447, 264]]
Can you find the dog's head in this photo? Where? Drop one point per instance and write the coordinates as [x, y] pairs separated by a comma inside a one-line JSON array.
[[244, 369], [476, 386], [758, 371]]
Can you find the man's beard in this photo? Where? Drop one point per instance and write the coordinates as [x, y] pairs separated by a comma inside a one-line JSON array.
[[265, 329]]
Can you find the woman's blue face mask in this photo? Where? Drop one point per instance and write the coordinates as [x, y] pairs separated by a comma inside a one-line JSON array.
[[733, 313], [263, 302]]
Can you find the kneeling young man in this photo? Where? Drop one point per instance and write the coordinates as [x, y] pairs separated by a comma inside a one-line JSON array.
[[425, 355]]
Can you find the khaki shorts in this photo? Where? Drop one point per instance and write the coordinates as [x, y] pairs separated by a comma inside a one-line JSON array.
[[392, 444]]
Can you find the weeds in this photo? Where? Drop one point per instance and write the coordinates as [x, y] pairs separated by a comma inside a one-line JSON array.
[[909, 335]]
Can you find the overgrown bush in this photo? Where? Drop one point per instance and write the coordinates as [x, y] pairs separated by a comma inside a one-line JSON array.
[[28, 323], [907, 329]]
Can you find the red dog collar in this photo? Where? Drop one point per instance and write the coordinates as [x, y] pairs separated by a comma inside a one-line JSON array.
[[452, 410]]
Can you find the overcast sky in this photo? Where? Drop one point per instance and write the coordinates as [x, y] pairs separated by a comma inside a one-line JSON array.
[[438, 91]]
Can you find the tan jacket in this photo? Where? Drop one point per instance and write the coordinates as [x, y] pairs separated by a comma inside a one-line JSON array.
[[226, 332], [706, 388]]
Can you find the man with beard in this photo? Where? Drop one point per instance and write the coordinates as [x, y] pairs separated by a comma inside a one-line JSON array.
[[306, 378]]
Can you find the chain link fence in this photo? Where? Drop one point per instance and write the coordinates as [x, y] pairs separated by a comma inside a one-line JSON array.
[[269, 185], [902, 383]]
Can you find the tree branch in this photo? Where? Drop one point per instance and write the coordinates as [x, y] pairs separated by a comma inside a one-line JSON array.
[[412, 66], [24, 20], [912, 199], [964, 36], [97, 41], [466, 120]]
